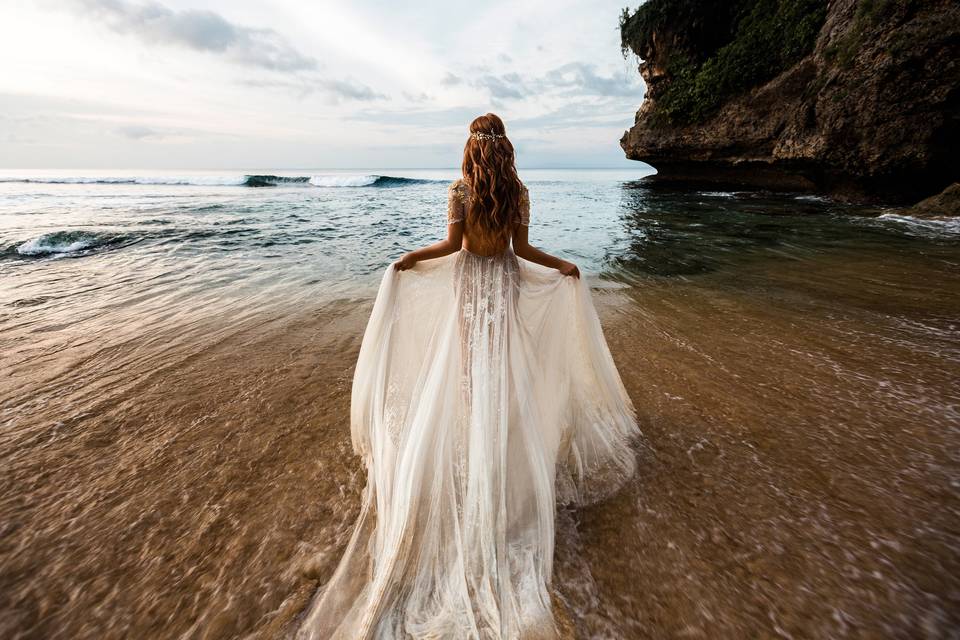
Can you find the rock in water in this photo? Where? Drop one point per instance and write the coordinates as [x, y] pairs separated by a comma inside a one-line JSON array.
[[946, 203], [857, 98]]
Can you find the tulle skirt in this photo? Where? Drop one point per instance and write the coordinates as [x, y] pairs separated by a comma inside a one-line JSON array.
[[484, 394]]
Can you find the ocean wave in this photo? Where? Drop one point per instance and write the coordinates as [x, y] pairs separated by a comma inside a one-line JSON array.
[[250, 180], [936, 226], [64, 243], [717, 194], [331, 181], [273, 181], [207, 181]]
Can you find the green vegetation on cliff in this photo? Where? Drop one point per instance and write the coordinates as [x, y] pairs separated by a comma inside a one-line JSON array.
[[868, 14], [718, 49]]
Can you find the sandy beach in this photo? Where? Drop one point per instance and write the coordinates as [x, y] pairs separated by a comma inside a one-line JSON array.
[[198, 201], [798, 474]]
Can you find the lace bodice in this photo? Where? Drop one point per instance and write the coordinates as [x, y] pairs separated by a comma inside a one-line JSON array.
[[459, 196]]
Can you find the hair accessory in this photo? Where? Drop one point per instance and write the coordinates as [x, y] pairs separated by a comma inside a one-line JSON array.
[[478, 135]]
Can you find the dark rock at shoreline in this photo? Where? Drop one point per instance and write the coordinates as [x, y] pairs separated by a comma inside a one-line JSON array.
[[945, 203], [870, 111]]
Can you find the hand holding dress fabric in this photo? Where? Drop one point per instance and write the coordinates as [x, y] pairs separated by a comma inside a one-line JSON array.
[[484, 394]]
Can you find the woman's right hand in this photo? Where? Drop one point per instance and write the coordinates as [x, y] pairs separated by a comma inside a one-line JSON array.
[[405, 262], [569, 269]]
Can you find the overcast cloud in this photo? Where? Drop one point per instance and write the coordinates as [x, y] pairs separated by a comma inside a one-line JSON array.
[[285, 83], [201, 30]]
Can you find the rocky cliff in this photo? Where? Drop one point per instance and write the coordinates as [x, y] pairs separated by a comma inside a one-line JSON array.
[[856, 98]]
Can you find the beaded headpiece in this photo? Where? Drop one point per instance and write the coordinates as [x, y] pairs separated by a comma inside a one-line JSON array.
[[477, 135]]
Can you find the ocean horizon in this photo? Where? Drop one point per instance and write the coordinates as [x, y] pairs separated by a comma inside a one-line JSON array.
[[237, 403]]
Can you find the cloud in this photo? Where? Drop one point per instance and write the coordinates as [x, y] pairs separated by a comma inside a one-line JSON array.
[[582, 78], [509, 85], [450, 80], [138, 132], [575, 115], [571, 79], [456, 117], [417, 97], [304, 87], [14, 138], [200, 30], [352, 90], [209, 32]]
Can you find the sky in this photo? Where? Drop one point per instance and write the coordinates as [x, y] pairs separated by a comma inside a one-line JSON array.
[[217, 84]]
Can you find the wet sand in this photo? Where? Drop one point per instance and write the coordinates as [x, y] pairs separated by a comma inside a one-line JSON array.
[[798, 477], [801, 473]]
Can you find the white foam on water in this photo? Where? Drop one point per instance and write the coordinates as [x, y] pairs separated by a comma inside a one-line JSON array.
[[339, 180], [939, 226], [325, 180], [49, 245], [717, 194], [213, 181]]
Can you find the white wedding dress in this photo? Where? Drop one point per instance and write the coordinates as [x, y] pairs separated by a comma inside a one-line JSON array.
[[484, 394]]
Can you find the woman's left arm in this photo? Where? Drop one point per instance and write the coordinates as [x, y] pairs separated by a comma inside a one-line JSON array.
[[451, 244]]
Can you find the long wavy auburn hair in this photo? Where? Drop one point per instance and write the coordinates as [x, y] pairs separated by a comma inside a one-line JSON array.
[[490, 171]]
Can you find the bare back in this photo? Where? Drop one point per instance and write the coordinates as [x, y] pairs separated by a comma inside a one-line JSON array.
[[457, 202]]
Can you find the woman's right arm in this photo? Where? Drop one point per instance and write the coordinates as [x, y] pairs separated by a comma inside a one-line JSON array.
[[523, 249], [454, 240], [451, 244]]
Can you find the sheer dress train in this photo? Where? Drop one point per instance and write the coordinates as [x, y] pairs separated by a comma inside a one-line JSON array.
[[484, 394]]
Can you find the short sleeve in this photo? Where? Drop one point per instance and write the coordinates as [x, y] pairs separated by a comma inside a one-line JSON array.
[[524, 207], [456, 202]]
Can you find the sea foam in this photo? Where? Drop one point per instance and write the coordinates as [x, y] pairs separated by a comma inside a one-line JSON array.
[[329, 180], [60, 242], [945, 225]]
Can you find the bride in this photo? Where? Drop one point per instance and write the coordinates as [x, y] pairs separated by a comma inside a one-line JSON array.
[[484, 394]]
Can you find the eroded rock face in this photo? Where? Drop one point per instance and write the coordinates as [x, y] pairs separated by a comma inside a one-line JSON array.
[[944, 204], [871, 112]]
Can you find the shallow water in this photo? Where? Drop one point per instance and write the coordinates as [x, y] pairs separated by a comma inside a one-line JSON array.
[[176, 370]]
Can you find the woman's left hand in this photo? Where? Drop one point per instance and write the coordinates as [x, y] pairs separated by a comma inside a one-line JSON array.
[[405, 262], [569, 269]]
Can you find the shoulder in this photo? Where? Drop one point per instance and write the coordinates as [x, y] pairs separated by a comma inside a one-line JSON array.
[[523, 210], [458, 188]]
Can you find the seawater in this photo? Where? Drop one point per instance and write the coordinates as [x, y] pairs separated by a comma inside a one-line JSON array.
[[319, 233], [176, 350]]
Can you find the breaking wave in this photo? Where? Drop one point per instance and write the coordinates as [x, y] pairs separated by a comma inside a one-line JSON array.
[[64, 243], [252, 180], [928, 226], [209, 181], [331, 180]]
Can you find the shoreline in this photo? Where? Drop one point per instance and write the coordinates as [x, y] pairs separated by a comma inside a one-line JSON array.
[[212, 498]]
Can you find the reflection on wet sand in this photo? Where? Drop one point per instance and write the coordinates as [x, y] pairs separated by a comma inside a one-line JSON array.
[[174, 431], [799, 474], [177, 501], [801, 477]]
